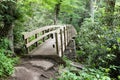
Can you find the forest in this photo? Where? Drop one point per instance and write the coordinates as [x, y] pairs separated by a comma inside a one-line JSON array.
[[98, 34]]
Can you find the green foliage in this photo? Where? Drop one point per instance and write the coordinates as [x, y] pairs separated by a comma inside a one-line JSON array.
[[98, 44], [85, 74], [8, 11], [38, 13], [72, 73], [6, 61]]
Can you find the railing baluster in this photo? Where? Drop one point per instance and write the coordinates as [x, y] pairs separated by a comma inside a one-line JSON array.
[[65, 37], [36, 36], [48, 35], [51, 35], [56, 39], [27, 48], [43, 32], [61, 41]]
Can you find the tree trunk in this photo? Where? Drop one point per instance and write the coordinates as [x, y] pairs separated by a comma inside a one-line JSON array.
[[92, 10], [70, 19], [5, 29], [7, 32], [11, 38], [57, 10], [85, 14], [110, 5], [9, 16]]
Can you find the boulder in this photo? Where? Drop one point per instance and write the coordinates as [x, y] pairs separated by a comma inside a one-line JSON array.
[[22, 73], [46, 65]]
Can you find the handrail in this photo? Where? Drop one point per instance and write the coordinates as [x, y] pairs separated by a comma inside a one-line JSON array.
[[41, 37], [29, 34]]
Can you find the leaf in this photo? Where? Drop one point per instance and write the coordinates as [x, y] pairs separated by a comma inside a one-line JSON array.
[[118, 39]]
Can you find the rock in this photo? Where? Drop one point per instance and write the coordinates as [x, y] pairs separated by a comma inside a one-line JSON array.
[[62, 70], [56, 68], [22, 73], [77, 65], [46, 65]]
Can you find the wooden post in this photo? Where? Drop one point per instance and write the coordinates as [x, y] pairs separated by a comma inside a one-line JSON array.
[[27, 48], [70, 32], [43, 32], [61, 39], [65, 37], [51, 35], [48, 35], [36, 36], [56, 39]]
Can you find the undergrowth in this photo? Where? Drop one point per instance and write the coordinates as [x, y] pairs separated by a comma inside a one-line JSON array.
[[98, 45], [7, 62], [72, 73]]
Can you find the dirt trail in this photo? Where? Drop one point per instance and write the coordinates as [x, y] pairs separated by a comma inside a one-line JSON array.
[[35, 69]]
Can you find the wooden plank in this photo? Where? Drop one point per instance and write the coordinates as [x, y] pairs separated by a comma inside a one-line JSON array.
[[26, 41], [27, 49], [36, 36], [41, 37], [61, 41], [64, 37], [29, 34], [51, 35], [48, 35], [67, 36], [45, 48], [43, 32], [70, 34], [56, 40]]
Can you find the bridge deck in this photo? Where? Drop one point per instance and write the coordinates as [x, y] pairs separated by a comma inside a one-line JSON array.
[[47, 48]]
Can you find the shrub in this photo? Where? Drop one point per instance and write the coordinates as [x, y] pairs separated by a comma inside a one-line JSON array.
[[72, 73], [6, 61], [99, 45]]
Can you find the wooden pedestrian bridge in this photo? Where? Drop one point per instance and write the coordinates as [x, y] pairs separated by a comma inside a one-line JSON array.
[[49, 40]]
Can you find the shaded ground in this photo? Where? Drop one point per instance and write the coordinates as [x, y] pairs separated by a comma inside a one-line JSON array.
[[70, 51], [25, 71]]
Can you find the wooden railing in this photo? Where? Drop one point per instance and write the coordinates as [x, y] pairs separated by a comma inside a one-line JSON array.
[[61, 33]]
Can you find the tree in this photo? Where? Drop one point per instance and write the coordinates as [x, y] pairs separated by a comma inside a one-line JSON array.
[[110, 5], [57, 10], [92, 10], [8, 11]]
